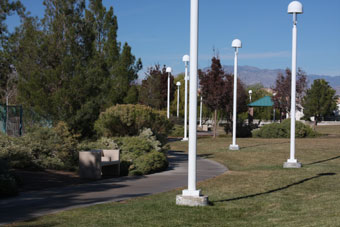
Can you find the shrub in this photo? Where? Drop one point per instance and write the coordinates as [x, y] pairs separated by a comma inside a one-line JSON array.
[[178, 131], [41, 147], [8, 183], [242, 129], [282, 130], [128, 120], [140, 155]]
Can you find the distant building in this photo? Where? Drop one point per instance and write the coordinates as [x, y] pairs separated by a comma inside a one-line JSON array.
[[337, 112]]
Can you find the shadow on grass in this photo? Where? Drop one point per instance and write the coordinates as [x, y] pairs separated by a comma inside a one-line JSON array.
[[265, 144], [275, 190], [321, 161]]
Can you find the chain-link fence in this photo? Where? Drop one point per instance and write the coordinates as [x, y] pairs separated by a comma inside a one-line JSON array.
[[11, 120]]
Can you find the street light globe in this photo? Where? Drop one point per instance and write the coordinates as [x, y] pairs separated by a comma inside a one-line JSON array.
[[250, 92], [236, 43], [168, 69], [295, 7], [186, 58], [178, 83]]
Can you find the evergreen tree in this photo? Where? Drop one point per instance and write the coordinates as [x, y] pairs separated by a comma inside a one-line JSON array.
[[8, 75], [320, 100], [71, 66]]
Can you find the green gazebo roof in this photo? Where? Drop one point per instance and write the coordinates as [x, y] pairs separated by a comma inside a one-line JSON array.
[[265, 101]]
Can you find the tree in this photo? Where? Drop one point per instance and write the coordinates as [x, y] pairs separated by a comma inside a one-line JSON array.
[[8, 75], [213, 88], [283, 90], [320, 100], [154, 88], [173, 107], [71, 66], [242, 96]]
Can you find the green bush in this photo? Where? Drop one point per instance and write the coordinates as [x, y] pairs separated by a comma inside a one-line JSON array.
[[242, 129], [282, 130], [177, 131], [8, 183], [40, 148], [128, 120], [142, 154]]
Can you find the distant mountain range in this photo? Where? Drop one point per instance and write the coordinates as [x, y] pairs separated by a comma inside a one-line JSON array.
[[252, 75]]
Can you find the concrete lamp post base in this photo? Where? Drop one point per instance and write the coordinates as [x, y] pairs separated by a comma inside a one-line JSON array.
[[234, 147], [185, 139], [192, 198], [292, 164]]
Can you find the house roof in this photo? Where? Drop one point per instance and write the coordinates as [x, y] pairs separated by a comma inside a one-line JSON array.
[[265, 101]]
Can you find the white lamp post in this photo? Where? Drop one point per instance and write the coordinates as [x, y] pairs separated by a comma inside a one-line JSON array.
[[274, 94], [168, 70], [192, 196], [186, 60], [294, 8], [201, 107], [235, 44], [178, 85], [250, 92]]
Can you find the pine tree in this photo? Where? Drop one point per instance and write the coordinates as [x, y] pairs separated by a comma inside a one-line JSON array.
[[71, 66]]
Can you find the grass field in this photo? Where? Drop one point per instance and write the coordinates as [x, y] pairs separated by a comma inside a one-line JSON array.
[[256, 191]]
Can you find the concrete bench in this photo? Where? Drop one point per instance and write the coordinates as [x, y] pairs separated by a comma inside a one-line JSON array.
[[93, 164]]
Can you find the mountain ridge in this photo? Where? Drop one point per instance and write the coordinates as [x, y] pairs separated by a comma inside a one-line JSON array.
[[252, 75]]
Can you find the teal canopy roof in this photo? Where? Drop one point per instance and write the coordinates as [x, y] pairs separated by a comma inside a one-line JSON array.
[[265, 101]]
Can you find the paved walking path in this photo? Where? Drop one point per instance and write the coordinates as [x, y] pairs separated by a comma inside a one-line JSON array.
[[34, 204]]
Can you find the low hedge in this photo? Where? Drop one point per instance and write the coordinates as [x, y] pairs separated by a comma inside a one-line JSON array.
[[41, 148], [282, 130]]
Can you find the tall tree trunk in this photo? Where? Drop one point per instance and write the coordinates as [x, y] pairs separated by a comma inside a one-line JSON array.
[[215, 122]]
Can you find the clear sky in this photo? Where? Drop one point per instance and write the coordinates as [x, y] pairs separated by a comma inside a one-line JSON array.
[[158, 32]]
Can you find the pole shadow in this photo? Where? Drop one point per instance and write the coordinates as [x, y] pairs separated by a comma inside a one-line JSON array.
[[275, 190], [325, 160]]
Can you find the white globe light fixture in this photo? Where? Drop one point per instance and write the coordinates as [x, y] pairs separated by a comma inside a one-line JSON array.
[[295, 7], [250, 92], [235, 44], [178, 85], [192, 196], [186, 60], [168, 70]]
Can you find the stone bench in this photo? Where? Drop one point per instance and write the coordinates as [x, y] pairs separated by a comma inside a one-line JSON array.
[[95, 163]]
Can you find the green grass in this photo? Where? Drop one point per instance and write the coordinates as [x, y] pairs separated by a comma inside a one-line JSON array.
[[256, 191]]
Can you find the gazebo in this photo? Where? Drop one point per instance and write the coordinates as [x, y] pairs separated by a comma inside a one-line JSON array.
[[266, 101]]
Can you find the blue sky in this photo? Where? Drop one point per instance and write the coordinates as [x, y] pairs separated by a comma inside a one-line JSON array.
[[158, 32]]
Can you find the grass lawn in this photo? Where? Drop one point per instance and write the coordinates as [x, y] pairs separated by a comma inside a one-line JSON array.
[[256, 191]]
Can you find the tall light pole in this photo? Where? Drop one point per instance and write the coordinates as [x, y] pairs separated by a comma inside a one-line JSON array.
[[235, 44], [250, 92], [168, 70], [274, 94], [192, 196], [294, 8], [201, 107], [178, 85], [186, 60]]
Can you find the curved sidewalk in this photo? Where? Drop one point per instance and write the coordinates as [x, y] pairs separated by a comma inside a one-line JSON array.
[[34, 204]]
